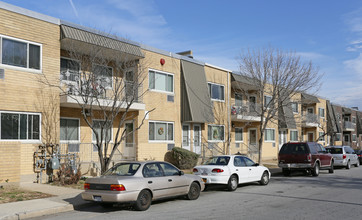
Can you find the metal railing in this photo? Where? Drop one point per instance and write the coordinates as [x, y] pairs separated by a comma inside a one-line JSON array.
[[349, 125], [311, 118], [248, 109]]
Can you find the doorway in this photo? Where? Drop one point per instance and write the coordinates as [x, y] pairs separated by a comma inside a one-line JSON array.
[[282, 138], [197, 138], [186, 136]]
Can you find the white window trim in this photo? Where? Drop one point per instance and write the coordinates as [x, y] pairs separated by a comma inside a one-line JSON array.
[[161, 141], [215, 141], [162, 72], [354, 138], [269, 141], [188, 134], [324, 137], [297, 112], [22, 140], [293, 130], [319, 112], [242, 135], [95, 141], [96, 64], [26, 69], [72, 141], [217, 100], [265, 99]]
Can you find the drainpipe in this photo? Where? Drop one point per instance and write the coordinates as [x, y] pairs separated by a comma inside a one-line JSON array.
[[228, 114]]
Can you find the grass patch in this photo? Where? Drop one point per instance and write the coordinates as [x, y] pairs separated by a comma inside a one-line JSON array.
[[15, 194], [79, 185]]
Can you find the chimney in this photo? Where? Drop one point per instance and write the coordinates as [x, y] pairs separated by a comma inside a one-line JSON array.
[[187, 53]]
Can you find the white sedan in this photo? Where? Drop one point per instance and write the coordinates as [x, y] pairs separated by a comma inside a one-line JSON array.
[[232, 170]]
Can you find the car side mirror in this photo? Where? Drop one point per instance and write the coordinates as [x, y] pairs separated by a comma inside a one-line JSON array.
[[256, 164], [181, 173]]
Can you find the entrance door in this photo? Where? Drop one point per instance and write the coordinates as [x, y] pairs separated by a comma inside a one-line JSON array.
[[310, 136], [252, 141], [186, 137], [282, 138], [129, 147], [197, 138], [252, 101]]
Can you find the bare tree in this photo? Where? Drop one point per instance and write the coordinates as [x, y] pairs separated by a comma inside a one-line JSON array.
[[104, 84], [280, 75]]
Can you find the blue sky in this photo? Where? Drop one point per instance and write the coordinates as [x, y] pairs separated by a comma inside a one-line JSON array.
[[328, 32]]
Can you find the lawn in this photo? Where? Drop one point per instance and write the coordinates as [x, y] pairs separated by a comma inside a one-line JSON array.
[[15, 194]]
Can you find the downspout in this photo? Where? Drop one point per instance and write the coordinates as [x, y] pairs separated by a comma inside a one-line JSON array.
[[228, 114]]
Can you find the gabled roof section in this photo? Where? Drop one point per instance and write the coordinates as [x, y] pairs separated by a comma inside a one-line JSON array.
[[309, 99], [196, 103], [286, 116], [331, 119]]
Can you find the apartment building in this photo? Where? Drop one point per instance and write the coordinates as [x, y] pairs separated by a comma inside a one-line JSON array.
[[181, 102]]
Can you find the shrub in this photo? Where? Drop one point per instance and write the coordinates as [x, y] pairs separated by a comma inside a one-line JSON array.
[[66, 176], [183, 159]]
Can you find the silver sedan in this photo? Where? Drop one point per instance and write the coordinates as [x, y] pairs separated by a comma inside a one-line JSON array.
[[140, 183]]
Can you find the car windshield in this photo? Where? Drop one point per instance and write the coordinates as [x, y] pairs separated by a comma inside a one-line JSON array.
[[298, 148], [217, 161], [123, 169], [335, 150]]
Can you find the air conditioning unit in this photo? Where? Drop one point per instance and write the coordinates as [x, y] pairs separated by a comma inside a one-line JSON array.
[[170, 98], [237, 145], [2, 74]]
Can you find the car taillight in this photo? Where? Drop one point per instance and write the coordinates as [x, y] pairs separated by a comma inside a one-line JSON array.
[[217, 170], [344, 156], [309, 157], [195, 170], [86, 186], [118, 187]]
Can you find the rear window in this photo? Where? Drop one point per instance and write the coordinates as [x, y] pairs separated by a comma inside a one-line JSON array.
[[217, 161], [123, 169], [294, 149], [335, 150]]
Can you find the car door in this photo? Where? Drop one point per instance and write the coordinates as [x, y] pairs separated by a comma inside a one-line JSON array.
[[254, 171], [177, 184], [156, 181], [324, 156], [241, 169]]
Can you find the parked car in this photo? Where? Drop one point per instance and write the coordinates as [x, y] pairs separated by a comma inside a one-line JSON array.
[[307, 156], [140, 183], [232, 170], [359, 155], [344, 156]]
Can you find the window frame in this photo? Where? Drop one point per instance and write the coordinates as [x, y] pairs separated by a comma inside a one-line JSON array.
[[297, 107], [267, 105], [209, 86], [265, 135], [164, 73], [27, 69], [321, 139], [239, 100], [354, 120], [27, 127], [290, 136], [319, 112], [71, 141], [340, 137], [242, 135], [354, 138], [162, 141], [213, 140], [104, 141]]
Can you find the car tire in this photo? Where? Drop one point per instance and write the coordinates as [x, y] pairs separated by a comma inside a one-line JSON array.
[[233, 183], [264, 178], [357, 164], [286, 172], [194, 191], [144, 200], [315, 170], [348, 166], [331, 168]]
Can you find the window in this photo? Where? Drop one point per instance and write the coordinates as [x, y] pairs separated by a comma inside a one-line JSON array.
[[238, 134], [238, 99], [354, 137], [160, 131], [20, 53], [338, 137], [293, 135], [321, 136], [354, 120], [269, 134], [19, 126], [215, 132], [216, 91], [338, 116], [69, 69], [267, 101], [107, 130], [321, 112], [103, 75], [169, 170], [69, 129], [160, 81], [294, 107]]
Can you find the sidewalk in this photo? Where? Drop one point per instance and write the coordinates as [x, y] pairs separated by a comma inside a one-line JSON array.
[[64, 200]]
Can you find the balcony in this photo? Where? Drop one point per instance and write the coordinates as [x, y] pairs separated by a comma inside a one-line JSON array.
[[349, 126], [249, 112], [310, 120]]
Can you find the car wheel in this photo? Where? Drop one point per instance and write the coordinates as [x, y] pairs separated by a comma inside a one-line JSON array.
[[331, 168], [144, 200], [357, 164], [233, 183], [348, 166], [194, 191], [264, 178], [315, 170], [286, 172]]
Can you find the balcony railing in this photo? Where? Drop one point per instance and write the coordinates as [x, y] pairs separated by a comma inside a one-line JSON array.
[[311, 119], [349, 125], [248, 109]]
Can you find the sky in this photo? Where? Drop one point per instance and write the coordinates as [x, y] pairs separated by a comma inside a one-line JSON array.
[[326, 32]]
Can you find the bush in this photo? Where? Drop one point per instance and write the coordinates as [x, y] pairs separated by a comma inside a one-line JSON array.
[[66, 176], [182, 158]]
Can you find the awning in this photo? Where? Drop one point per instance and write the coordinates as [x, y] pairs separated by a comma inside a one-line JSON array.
[[309, 99], [346, 111], [99, 39], [240, 82], [331, 119], [196, 103], [286, 116], [339, 129]]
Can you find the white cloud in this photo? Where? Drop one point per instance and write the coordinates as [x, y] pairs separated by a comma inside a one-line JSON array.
[[355, 65]]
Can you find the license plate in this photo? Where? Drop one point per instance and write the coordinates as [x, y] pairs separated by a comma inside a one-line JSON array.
[[97, 198], [204, 179]]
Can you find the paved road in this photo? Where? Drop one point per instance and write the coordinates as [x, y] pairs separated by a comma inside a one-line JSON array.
[[329, 196]]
